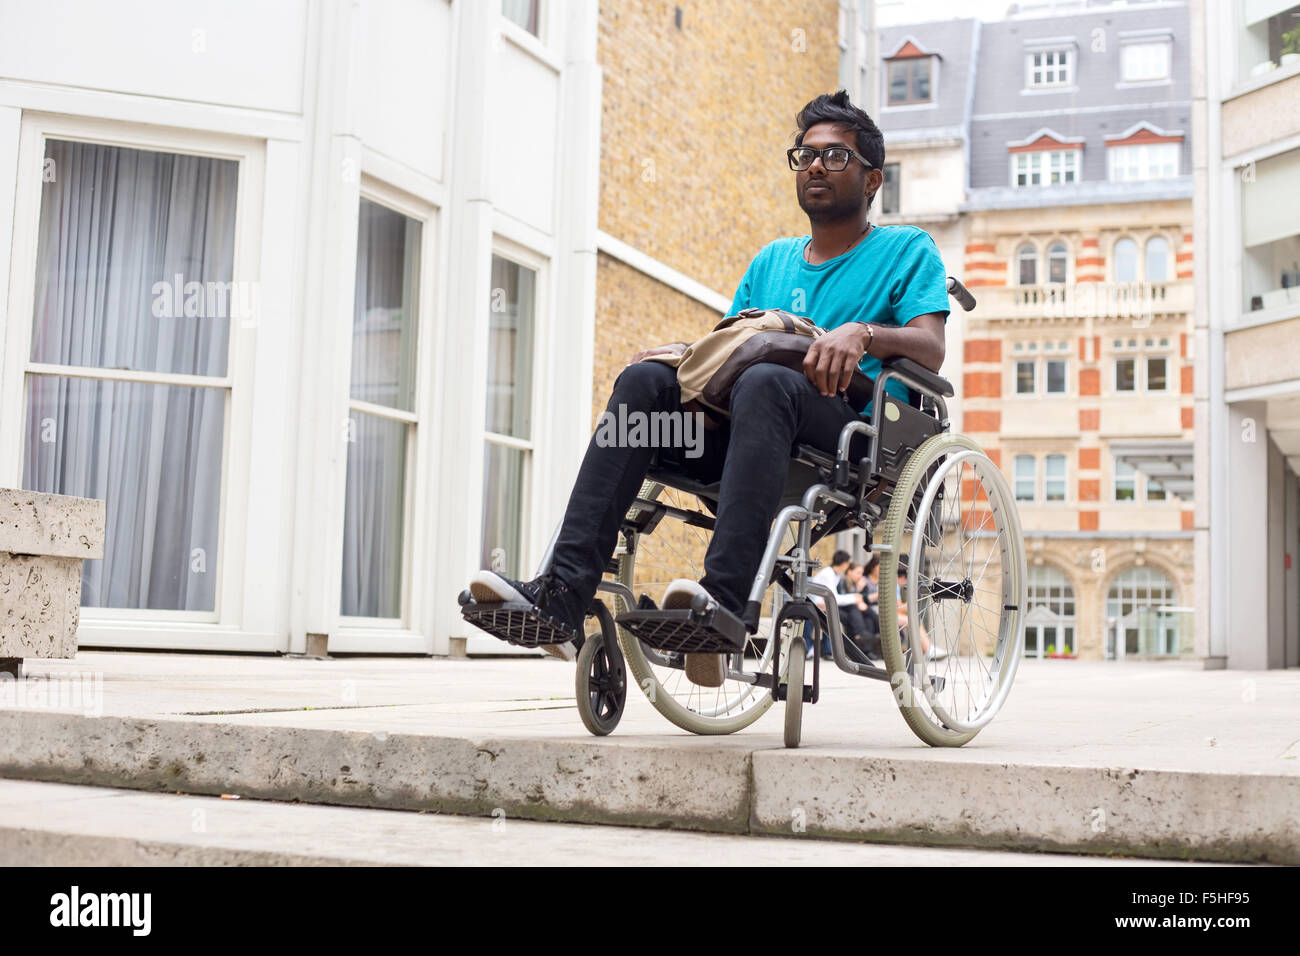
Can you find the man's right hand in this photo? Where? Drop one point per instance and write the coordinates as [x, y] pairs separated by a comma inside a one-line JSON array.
[[675, 348]]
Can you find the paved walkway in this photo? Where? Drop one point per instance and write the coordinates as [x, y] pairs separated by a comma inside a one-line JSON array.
[[1163, 759]]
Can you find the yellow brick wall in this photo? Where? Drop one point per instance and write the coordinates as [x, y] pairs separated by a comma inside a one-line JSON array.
[[694, 127]]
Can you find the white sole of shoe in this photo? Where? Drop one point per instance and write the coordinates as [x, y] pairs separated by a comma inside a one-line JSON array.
[[487, 586]]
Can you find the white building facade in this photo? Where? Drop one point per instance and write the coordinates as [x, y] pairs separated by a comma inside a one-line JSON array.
[[304, 291], [1248, 321]]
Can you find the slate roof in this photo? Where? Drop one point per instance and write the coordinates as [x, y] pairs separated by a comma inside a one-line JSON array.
[[1095, 105], [982, 100]]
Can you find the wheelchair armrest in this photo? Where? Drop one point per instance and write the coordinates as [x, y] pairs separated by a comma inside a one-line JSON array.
[[933, 383]]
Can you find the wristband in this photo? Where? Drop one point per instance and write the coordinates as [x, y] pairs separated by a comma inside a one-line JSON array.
[[871, 333]]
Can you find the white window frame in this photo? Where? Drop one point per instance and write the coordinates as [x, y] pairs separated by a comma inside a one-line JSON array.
[[541, 47], [1128, 52], [1140, 162], [1061, 70], [1015, 377], [1016, 479], [530, 494], [1141, 483], [1114, 485], [1020, 257], [1064, 478], [1047, 276], [1171, 259], [933, 62], [1039, 361], [1114, 259], [122, 627], [1044, 163], [1140, 354], [1065, 362], [357, 633]]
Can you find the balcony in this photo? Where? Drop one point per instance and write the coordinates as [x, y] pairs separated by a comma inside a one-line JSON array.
[[1098, 300]]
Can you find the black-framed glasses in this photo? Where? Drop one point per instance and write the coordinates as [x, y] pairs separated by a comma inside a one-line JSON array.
[[834, 158]]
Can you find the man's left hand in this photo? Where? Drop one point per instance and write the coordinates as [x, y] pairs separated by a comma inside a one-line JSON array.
[[833, 358]]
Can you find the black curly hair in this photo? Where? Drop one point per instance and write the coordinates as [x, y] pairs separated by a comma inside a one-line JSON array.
[[836, 108]]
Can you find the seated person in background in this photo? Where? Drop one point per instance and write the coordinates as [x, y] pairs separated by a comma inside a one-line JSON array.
[[831, 576], [857, 616], [931, 652]]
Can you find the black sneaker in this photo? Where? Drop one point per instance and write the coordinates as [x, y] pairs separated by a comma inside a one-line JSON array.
[[555, 606]]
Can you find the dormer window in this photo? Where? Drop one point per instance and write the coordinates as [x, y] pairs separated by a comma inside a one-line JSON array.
[[1048, 68], [910, 81], [912, 75], [1045, 158]]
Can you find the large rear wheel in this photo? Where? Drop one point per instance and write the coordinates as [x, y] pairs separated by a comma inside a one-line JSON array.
[[953, 645]]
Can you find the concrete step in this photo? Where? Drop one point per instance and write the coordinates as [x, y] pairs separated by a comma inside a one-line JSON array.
[[744, 784], [53, 824]]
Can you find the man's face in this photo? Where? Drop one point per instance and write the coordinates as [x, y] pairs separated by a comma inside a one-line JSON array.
[[832, 196]]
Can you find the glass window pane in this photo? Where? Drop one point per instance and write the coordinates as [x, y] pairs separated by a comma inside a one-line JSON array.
[[1126, 261], [1157, 259], [1156, 375], [510, 349], [1124, 375], [374, 516], [522, 12], [1056, 376], [503, 496], [135, 261], [1027, 256], [385, 310], [1057, 260], [921, 78], [153, 454], [898, 81], [1125, 481], [1154, 491], [890, 189], [1026, 477], [1054, 480], [1025, 378]]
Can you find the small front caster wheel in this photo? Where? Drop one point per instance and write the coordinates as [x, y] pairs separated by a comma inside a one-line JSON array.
[[600, 683]]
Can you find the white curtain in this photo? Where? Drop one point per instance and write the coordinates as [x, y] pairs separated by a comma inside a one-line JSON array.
[[113, 223], [383, 372]]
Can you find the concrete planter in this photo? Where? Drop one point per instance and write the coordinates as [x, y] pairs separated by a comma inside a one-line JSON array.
[[43, 540]]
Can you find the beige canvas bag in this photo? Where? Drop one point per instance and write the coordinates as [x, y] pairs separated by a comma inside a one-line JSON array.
[[709, 368]]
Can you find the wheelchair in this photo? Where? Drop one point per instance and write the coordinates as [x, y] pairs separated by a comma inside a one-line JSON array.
[[927, 499]]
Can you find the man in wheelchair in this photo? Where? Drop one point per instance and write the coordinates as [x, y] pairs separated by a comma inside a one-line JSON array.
[[879, 291]]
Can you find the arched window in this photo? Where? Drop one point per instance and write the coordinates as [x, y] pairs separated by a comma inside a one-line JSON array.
[[1126, 261], [1157, 259], [1049, 622], [1139, 615], [1027, 264], [1057, 261]]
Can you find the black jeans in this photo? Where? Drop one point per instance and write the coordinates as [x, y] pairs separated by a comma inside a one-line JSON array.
[[772, 409]]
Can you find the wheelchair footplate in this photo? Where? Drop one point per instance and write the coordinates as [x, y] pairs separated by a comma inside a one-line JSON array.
[[711, 630], [514, 622]]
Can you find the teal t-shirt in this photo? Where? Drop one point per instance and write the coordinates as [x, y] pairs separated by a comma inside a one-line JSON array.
[[889, 278]]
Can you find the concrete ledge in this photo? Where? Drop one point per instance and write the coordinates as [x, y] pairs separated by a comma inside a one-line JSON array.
[[33, 522], [1162, 813], [575, 781], [711, 787]]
